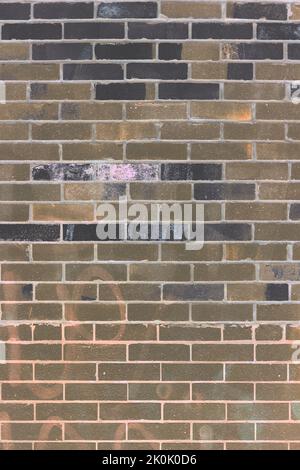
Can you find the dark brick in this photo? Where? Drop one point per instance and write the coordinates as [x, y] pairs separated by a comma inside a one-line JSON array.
[[29, 232], [127, 10], [222, 31], [121, 91], [227, 232], [124, 51], [64, 10], [295, 212], [32, 31], [14, 11], [63, 172], [75, 51], [294, 51], [189, 91], [193, 292], [260, 51], [285, 31], [240, 72], [251, 10], [158, 30], [277, 292], [94, 30], [170, 51], [158, 71], [182, 171], [224, 191], [93, 72]]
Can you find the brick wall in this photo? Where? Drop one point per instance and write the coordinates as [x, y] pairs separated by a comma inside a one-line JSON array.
[[128, 345]]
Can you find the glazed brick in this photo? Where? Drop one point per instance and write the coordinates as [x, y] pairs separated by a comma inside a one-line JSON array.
[[32, 31], [74, 51], [129, 51], [121, 91], [222, 31], [158, 30], [286, 31], [157, 71], [191, 91], [33, 232], [178, 172], [63, 10], [127, 10], [92, 72], [15, 11], [240, 71], [94, 30], [252, 10]]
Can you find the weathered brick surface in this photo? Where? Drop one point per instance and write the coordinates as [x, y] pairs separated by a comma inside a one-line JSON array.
[[144, 344]]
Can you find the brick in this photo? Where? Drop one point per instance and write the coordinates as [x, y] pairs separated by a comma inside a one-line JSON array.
[[72, 292], [159, 272], [17, 51], [159, 391], [14, 172], [156, 111], [128, 51], [157, 312], [189, 51], [192, 91], [256, 171], [269, 292], [63, 10], [221, 151], [32, 272], [32, 431], [222, 111], [82, 352], [128, 332], [178, 172], [157, 71], [92, 72], [222, 312], [188, 333], [252, 10], [271, 432], [131, 292], [258, 412], [60, 91], [159, 352], [28, 151], [220, 272], [32, 31], [14, 252], [58, 372], [156, 151], [130, 411], [92, 431], [128, 372], [124, 91], [256, 251], [127, 10], [240, 71], [160, 191], [90, 151], [60, 51], [224, 191], [160, 431], [157, 30], [256, 211], [258, 131], [256, 373], [286, 31], [125, 131], [92, 30], [281, 72], [14, 11], [57, 252], [223, 432], [249, 51], [64, 131], [222, 31], [254, 91], [13, 132], [175, 9], [222, 352], [227, 391], [63, 212], [194, 411], [81, 272], [195, 292], [268, 332]]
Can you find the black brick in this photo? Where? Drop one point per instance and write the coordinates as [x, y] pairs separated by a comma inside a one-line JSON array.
[[121, 91], [158, 71], [170, 51], [189, 91], [63, 172], [64, 10], [124, 51], [29, 232], [75, 51], [94, 30], [295, 212], [285, 31], [227, 232], [277, 292], [14, 11], [260, 51], [269, 11], [93, 72], [294, 51], [32, 31], [222, 31], [197, 171], [194, 292], [240, 72], [158, 30], [127, 10], [224, 191]]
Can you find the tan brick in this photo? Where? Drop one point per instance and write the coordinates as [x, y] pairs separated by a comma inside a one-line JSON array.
[[125, 131], [257, 373], [66, 291], [293, 131], [256, 171], [160, 191], [277, 71], [159, 391], [221, 151], [96, 272], [63, 252], [32, 272], [187, 332], [258, 412], [15, 51], [130, 292], [282, 191], [14, 212], [129, 372], [158, 312], [23, 372], [209, 71], [278, 232], [278, 151], [254, 91], [27, 71], [28, 151], [223, 272], [156, 111], [63, 212], [296, 251], [31, 311], [93, 431], [194, 411], [29, 111], [159, 272], [256, 211], [223, 352], [156, 151], [32, 431], [295, 12], [295, 293], [279, 272], [93, 191], [67, 411], [61, 131], [29, 192], [14, 131], [222, 312], [130, 411], [159, 352], [94, 352], [91, 151], [188, 9], [268, 333], [60, 91], [16, 412], [10, 172], [199, 51], [84, 312], [92, 111], [59, 372], [14, 252], [257, 131], [222, 111], [277, 111], [274, 432], [34, 352], [278, 312], [127, 252], [159, 431], [126, 332], [189, 131], [255, 251], [223, 391], [223, 431], [240, 292], [15, 91]]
